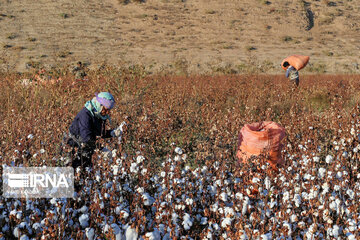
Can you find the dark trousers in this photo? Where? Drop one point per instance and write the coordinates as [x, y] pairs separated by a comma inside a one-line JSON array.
[[81, 154]]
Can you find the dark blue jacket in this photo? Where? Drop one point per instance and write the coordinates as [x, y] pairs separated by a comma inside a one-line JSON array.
[[86, 127]]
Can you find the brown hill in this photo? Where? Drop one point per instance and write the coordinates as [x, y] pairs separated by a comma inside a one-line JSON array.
[[183, 36]]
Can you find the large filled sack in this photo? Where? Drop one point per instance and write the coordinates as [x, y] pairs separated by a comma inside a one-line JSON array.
[[297, 61], [261, 138]]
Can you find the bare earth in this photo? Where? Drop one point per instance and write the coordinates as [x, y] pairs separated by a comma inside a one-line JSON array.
[[194, 36]]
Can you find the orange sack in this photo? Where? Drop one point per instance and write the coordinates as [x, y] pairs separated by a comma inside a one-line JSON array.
[[261, 137], [297, 61]]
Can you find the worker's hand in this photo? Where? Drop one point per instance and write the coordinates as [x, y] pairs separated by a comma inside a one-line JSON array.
[[117, 132]]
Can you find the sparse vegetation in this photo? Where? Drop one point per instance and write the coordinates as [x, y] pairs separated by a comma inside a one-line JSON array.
[[287, 39]]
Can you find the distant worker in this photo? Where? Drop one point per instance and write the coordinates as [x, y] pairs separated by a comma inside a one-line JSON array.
[[292, 74], [293, 64], [87, 125]]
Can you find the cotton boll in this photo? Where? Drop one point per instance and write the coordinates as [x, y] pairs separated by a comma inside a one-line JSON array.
[[116, 231], [178, 150], [297, 200], [322, 172], [204, 221], [124, 214], [131, 234], [294, 218], [226, 222], [16, 232], [134, 168], [351, 236], [336, 231], [90, 233], [187, 222], [84, 209], [223, 196], [286, 197], [24, 237], [155, 235], [148, 200], [140, 159], [267, 236], [350, 193], [329, 159], [83, 219], [189, 201]]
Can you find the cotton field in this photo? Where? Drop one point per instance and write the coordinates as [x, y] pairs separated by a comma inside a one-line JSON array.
[[175, 174], [312, 197]]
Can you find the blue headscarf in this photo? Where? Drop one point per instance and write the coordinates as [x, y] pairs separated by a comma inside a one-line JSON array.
[[95, 105]]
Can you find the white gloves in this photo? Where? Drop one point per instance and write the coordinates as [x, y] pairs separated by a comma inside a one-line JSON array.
[[117, 132]]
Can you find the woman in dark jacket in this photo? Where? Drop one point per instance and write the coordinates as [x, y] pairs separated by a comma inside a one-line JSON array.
[[87, 125]]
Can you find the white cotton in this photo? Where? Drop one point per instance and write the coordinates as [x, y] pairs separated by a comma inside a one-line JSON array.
[[288, 226], [337, 188], [255, 180], [189, 201], [144, 171], [24, 237], [83, 219], [294, 218], [316, 159], [131, 234], [16, 232], [30, 136], [267, 183], [204, 221], [115, 169], [178, 150], [148, 200], [239, 196], [42, 151], [223, 196], [36, 226], [229, 211], [339, 174], [90, 233], [216, 226], [352, 131], [322, 172], [350, 193], [297, 200], [286, 196], [155, 235], [267, 236], [124, 214], [326, 188], [116, 231], [226, 222], [336, 231], [84, 209], [134, 168], [351, 236], [140, 159], [243, 235], [187, 222], [307, 176], [329, 159]]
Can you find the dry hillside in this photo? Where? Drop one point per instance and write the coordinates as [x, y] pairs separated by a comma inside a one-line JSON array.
[[187, 36]]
